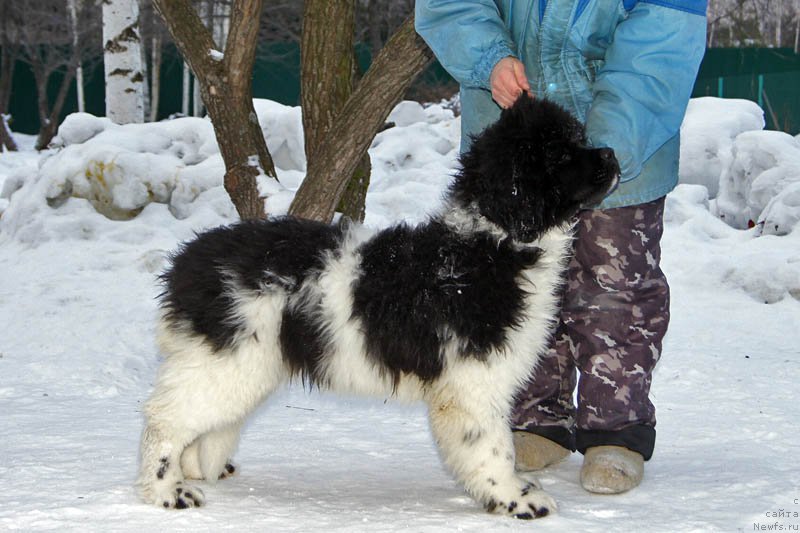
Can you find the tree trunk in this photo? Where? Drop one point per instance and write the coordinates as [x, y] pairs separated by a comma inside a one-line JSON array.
[[326, 81], [205, 13], [123, 61], [41, 76], [6, 138], [326, 66], [48, 116], [336, 158], [73, 17], [187, 88], [222, 16], [226, 88], [353, 204], [376, 21], [49, 126], [7, 60], [155, 76], [146, 103]]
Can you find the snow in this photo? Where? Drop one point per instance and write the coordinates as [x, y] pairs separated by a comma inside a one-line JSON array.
[[707, 134], [764, 164], [751, 175], [77, 307]]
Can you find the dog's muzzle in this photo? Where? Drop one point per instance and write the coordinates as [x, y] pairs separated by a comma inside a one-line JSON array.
[[607, 178]]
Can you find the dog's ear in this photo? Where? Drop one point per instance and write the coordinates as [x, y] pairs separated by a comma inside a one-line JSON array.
[[539, 119], [522, 107], [520, 119]]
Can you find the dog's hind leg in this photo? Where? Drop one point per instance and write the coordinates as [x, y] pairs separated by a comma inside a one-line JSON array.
[[469, 420], [190, 461], [209, 456], [215, 451], [201, 396], [197, 416]]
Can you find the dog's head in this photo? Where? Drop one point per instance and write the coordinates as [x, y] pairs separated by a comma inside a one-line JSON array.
[[533, 169]]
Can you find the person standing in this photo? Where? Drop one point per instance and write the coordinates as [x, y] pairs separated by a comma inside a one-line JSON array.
[[626, 69]]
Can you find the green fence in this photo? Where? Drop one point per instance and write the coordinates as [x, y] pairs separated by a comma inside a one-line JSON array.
[[770, 77], [277, 80]]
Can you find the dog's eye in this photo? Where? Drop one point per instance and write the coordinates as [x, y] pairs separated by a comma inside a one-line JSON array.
[[559, 153]]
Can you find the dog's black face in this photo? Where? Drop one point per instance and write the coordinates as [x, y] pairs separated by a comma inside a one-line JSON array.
[[533, 169]]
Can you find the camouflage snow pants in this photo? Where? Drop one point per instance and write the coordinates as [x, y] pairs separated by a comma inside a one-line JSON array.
[[614, 316]]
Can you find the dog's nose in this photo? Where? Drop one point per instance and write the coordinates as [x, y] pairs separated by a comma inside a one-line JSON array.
[[606, 154]]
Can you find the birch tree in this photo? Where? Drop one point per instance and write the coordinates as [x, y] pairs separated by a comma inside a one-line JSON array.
[[123, 61], [796, 5], [74, 9]]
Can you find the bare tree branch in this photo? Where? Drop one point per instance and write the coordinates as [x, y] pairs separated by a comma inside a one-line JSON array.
[[334, 161], [226, 90]]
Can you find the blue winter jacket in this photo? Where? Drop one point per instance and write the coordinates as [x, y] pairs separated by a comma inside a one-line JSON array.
[[625, 68]]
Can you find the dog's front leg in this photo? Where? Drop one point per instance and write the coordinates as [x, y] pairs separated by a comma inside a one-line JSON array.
[[471, 428]]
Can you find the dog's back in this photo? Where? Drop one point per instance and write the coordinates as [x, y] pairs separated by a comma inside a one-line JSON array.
[[209, 275]]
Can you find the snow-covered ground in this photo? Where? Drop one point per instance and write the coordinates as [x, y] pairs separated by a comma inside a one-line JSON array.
[[77, 356]]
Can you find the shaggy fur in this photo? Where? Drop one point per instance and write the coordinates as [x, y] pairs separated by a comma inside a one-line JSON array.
[[454, 312]]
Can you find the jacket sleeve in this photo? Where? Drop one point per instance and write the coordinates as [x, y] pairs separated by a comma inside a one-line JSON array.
[[643, 87], [467, 37]]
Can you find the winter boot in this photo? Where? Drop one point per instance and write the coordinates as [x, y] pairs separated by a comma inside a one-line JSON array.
[[611, 469], [535, 452]]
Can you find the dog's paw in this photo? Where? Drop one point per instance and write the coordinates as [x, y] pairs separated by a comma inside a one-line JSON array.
[[181, 497], [229, 470], [526, 502]]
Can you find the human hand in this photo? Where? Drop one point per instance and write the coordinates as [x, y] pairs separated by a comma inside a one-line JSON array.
[[508, 81]]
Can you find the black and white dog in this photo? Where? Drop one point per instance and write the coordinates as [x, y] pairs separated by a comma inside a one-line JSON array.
[[454, 312]]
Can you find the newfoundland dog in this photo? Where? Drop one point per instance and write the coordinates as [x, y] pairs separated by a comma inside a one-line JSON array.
[[453, 312]]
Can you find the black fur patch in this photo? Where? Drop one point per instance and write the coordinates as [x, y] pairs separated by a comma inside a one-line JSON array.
[[302, 344], [541, 512], [255, 255], [421, 286], [162, 468], [472, 436]]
